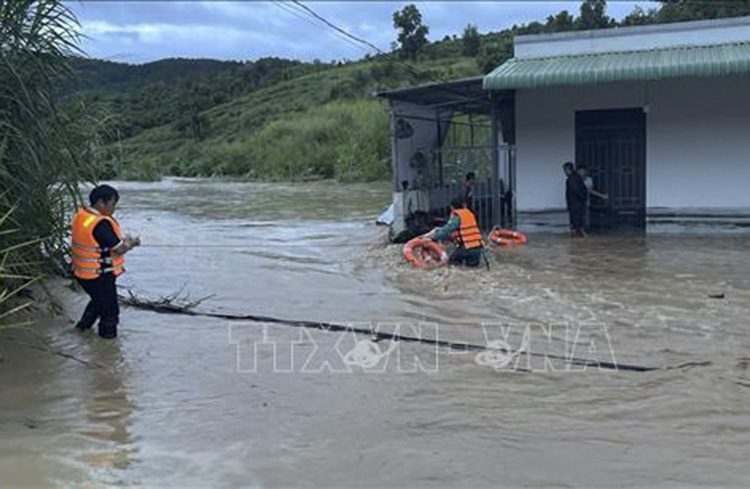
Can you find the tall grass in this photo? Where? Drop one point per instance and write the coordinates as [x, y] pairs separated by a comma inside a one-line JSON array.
[[45, 150], [345, 140], [12, 282]]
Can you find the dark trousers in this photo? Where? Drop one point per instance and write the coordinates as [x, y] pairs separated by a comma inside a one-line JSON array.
[[577, 214], [103, 305], [470, 258]]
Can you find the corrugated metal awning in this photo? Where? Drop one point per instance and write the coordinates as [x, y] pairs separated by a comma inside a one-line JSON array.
[[588, 69]]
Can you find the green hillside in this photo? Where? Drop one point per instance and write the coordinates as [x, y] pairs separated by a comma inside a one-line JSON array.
[[320, 125], [283, 119]]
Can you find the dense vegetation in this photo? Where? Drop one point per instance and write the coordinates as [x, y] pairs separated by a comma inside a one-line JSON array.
[[282, 119], [45, 148]]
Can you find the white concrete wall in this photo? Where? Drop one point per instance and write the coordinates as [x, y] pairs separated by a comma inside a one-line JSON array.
[[637, 38], [697, 139]]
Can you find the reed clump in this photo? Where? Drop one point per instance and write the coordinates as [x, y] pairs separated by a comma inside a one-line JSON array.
[[46, 147]]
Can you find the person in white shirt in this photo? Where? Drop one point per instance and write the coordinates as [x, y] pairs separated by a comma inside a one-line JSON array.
[[589, 183]]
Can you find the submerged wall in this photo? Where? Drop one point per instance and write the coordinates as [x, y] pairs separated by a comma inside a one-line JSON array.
[[697, 139]]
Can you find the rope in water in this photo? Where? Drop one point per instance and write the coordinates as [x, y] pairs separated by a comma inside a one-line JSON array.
[[167, 308], [254, 245]]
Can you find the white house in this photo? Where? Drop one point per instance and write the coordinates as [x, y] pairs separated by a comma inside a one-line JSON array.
[[660, 115]]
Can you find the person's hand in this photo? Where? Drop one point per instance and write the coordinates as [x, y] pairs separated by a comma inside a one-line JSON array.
[[131, 242]]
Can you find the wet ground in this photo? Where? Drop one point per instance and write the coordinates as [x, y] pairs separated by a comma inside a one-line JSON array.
[[188, 401]]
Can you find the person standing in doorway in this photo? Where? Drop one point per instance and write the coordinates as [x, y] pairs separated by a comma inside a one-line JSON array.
[[467, 192], [97, 251], [589, 183], [575, 199]]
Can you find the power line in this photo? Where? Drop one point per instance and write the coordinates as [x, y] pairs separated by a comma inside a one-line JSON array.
[[360, 40], [337, 28], [300, 15], [413, 69], [280, 4]]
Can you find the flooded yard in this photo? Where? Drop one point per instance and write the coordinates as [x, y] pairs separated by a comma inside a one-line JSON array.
[[190, 401]]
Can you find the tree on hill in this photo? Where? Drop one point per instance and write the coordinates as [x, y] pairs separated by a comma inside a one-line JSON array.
[[412, 35], [495, 53], [471, 42], [561, 22], [594, 15], [639, 17], [685, 10]]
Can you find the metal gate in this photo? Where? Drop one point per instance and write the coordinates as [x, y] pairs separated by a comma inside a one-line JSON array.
[[612, 145], [494, 190]]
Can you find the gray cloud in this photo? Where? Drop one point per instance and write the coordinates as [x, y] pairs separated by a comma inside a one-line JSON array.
[[144, 31]]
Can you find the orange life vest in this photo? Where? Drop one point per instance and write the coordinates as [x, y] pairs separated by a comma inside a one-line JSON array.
[[90, 260], [468, 235]]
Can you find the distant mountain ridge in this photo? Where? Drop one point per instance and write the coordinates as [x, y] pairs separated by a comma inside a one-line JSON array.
[[97, 73]]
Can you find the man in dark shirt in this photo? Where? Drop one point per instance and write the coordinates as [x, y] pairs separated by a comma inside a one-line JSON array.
[[102, 288], [576, 195], [466, 194]]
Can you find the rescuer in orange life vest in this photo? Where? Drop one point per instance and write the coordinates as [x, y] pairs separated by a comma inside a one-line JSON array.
[[462, 227], [97, 251]]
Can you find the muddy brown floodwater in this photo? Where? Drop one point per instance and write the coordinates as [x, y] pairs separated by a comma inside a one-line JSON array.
[[188, 401]]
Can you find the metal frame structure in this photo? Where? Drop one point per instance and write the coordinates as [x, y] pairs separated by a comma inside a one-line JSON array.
[[441, 131]]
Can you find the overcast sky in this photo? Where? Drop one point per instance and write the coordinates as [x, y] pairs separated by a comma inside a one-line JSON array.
[[137, 32]]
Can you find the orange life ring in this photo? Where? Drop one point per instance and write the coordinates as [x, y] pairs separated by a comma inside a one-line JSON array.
[[425, 253], [507, 237]]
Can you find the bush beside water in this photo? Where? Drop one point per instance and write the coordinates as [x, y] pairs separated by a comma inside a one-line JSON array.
[[347, 141]]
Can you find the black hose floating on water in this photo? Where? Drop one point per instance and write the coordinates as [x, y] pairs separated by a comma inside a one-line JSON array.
[[167, 306]]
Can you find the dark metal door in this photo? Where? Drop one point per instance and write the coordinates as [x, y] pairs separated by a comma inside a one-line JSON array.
[[612, 144]]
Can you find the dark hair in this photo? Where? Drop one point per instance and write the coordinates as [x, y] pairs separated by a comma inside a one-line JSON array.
[[458, 202], [581, 166], [568, 164], [471, 176], [103, 192]]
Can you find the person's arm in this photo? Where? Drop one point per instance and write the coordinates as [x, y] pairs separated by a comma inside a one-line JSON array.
[[106, 238], [598, 194], [580, 190], [127, 244], [444, 232], [589, 182]]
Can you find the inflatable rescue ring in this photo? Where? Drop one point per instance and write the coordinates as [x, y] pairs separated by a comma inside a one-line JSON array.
[[425, 253], [507, 237]]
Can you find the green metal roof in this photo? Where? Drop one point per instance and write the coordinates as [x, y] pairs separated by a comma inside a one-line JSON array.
[[587, 69]]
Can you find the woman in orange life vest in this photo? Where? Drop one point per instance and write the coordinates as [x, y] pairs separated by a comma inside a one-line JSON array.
[[463, 227], [97, 251]]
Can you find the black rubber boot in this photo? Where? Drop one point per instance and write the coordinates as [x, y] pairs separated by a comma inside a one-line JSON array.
[[87, 321], [108, 331]]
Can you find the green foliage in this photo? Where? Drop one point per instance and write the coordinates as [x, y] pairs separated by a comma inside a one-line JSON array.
[[412, 35], [228, 129], [594, 15], [495, 52], [13, 280], [639, 17], [685, 10], [170, 91], [471, 41], [343, 140], [45, 148], [347, 141], [561, 22], [201, 117]]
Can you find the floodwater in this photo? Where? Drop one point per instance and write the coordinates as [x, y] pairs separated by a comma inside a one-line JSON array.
[[184, 401]]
